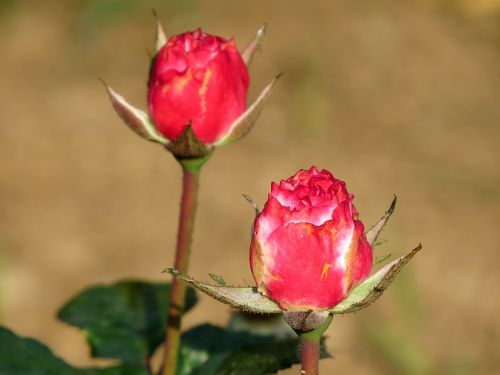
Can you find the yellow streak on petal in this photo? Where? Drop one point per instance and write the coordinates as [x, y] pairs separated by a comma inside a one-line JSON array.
[[324, 272], [274, 277], [309, 229], [179, 82], [204, 87]]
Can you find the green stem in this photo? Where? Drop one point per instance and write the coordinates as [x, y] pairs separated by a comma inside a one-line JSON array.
[[190, 185]]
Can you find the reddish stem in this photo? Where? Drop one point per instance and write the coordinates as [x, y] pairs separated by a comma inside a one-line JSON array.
[[310, 355], [190, 184]]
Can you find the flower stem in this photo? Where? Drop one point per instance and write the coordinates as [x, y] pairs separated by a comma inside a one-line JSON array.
[[310, 355], [190, 185], [311, 347]]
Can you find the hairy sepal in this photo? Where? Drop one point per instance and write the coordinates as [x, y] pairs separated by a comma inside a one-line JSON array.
[[241, 298], [134, 118], [243, 124], [373, 287], [374, 231], [254, 45]]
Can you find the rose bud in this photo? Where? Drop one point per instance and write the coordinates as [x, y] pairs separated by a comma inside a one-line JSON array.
[[198, 79], [197, 91], [309, 249]]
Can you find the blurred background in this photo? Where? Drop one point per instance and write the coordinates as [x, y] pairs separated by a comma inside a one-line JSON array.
[[393, 96]]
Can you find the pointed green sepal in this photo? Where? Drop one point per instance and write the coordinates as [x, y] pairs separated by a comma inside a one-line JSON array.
[[243, 124], [134, 118], [249, 199], [160, 38], [374, 231], [381, 259], [372, 288], [188, 146], [241, 298], [254, 45]]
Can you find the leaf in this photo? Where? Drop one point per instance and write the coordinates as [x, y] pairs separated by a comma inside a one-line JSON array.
[[212, 350], [372, 288], [124, 369], [374, 231], [124, 320], [243, 124], [241, 298], [134, 118], [254, 45], [27, 356]]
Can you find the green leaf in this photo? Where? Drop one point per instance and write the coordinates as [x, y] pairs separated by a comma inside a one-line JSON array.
[[211, 350], [124, 320], [124, 369], [27, 356], [262, 359]]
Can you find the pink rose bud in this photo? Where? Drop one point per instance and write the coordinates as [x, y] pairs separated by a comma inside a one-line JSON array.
[[309, 249], [198, 79]]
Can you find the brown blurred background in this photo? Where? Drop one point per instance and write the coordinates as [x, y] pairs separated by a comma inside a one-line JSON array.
[[393, 96]]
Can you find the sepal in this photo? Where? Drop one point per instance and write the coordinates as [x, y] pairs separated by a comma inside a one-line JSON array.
[[247, 55], [134, 118], [188, 146], [308, 321], [243, 124], [249, 199], [160, 38], [372, 288], [241, 298], [374, 231]]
